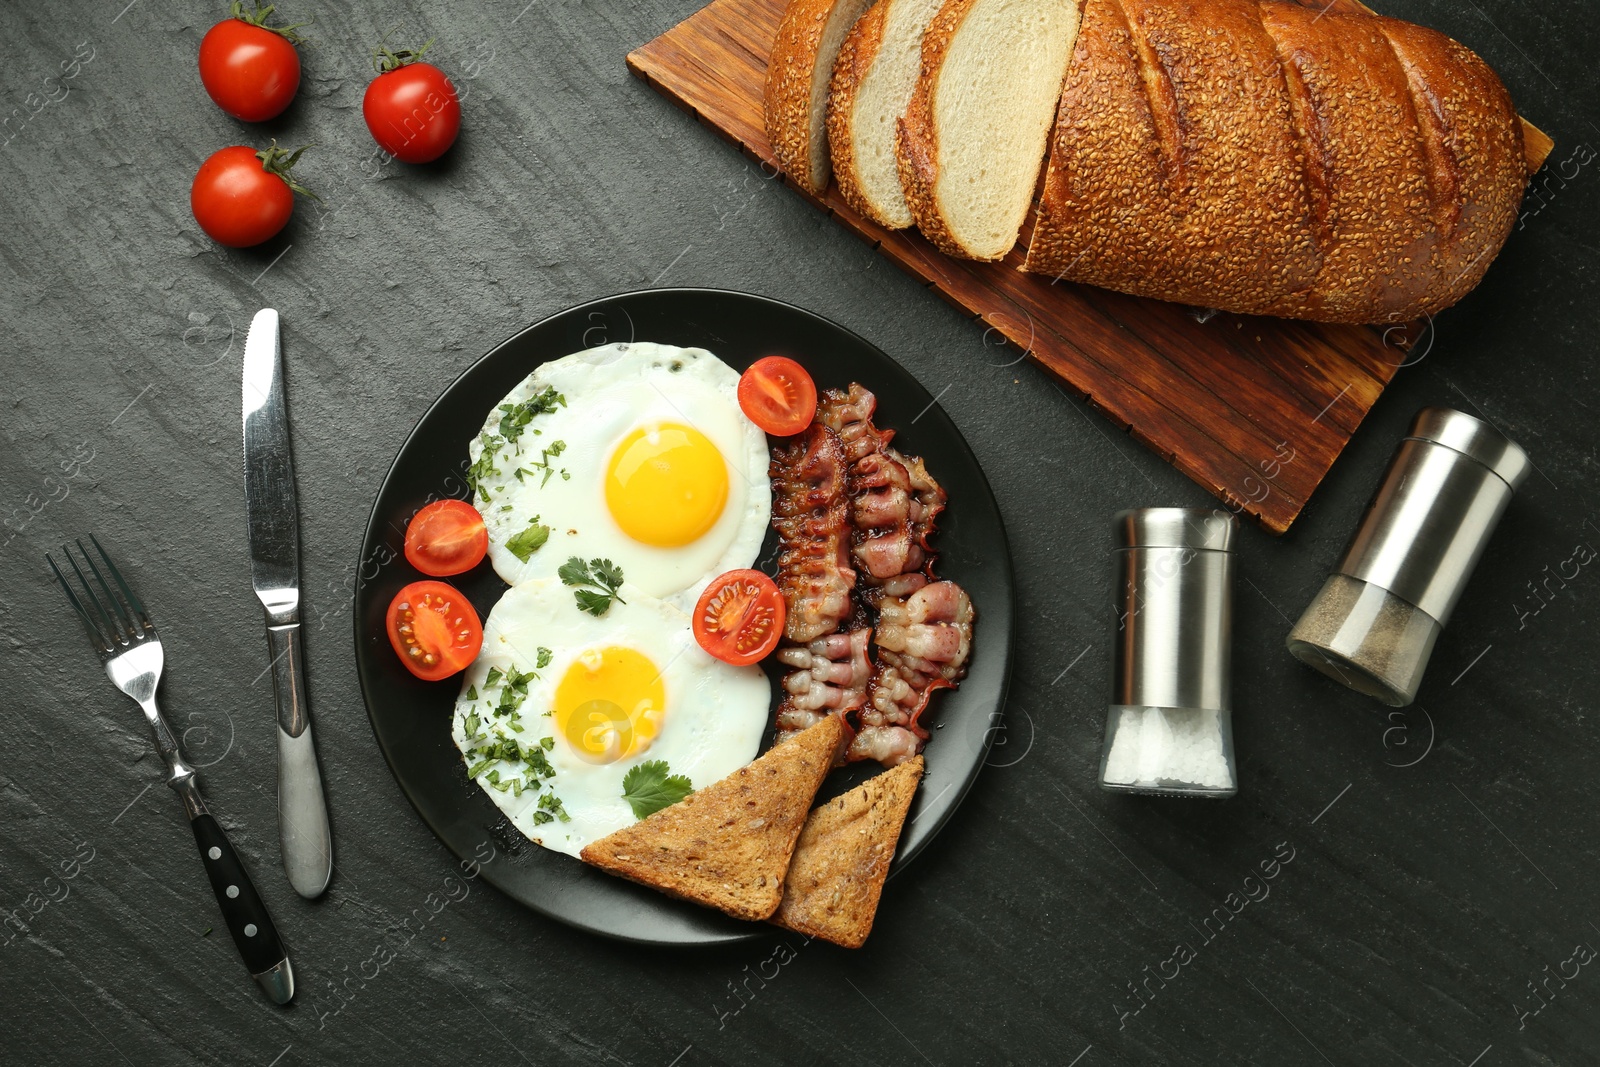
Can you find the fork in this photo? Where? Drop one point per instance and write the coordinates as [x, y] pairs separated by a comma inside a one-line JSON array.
[[126, 641]]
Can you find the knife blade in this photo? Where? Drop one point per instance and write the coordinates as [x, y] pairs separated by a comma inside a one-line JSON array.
[[273, 521]]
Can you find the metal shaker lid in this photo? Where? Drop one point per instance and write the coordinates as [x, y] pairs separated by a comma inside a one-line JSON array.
[[1205, 529], [1474, 439], [1174, 601]]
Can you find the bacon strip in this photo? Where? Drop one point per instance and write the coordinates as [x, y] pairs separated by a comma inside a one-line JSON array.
[[923, 644], [810, 513], [894, 501], [850, 416], [830, 678]]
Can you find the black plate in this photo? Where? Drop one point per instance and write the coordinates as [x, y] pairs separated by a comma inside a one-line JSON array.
[[412, 719]]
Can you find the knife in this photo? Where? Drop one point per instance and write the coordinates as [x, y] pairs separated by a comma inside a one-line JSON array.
[[273, 519]]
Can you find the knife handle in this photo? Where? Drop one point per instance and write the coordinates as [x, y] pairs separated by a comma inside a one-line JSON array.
[[246, 918], [303, 828]]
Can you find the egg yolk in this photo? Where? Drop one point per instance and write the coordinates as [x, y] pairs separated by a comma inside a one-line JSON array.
[[609, 704], [666, 485]]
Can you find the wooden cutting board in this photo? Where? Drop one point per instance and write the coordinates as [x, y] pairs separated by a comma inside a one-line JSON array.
[[1254, 409]]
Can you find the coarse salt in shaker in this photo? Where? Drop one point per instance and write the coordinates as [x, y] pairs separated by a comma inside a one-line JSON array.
[[1374, 624], [1168, 729]]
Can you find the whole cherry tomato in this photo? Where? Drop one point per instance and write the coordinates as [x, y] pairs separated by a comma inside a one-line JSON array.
[[249, 68], [411, 107], [241, 197]]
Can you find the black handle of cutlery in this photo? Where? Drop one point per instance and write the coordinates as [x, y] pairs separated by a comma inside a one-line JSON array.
[[242, 911]]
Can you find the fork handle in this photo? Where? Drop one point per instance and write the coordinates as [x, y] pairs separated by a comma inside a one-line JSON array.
[[254, 933]]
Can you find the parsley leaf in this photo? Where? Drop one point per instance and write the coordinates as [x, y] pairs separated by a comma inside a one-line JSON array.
[[651, 786], [601, 576], [608, 573], [574, 572], [594, 603], [543, 659], [529, 541]]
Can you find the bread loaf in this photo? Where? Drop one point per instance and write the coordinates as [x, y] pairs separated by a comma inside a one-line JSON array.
[[798, 72], [1261, 158], [873, 78], [973, 136]]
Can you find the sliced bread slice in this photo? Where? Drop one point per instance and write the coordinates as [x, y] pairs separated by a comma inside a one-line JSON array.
[[797, 86], [972, 139], [836, 877], [873, 79], [728, 845]]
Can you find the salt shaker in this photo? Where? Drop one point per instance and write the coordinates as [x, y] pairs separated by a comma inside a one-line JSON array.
[[1169, 726], [1374, 624]]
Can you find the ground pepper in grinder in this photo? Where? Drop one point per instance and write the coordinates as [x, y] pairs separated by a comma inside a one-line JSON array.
[[1374, 624]]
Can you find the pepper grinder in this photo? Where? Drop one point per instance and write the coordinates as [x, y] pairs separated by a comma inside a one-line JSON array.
[[1169, 726], [1374, 624]]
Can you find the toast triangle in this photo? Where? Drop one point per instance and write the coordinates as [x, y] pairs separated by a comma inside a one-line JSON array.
[[728, 845], [836, 877]]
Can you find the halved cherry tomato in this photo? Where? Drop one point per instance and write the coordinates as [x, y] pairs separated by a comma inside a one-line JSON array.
[[739, 617], [778, 395], [446, 537], [434, 630]]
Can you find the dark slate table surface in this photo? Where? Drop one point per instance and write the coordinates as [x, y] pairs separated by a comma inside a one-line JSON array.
[[1443, 858]]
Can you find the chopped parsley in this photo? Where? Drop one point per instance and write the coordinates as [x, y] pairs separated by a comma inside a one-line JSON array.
[[530, 761], [550, 807], [651, 786], [514, 692], [603, 579], [543, 463], [529, 541], [484, 466], [514, 418], [496, 756]]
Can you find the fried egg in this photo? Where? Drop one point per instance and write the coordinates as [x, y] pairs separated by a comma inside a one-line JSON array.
[[636, 453], [560, 705]]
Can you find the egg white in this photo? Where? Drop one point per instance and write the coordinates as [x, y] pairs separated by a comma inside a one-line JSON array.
[[609, 392], [712, 724]]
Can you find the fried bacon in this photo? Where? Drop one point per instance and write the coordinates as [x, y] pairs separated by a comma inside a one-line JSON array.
[[923, 643], [850, 416], [830, 678], [893, 505], [845, 504], [893, 499], [810, 511]]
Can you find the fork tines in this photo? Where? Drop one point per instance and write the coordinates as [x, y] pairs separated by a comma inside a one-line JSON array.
[[113, 621]]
